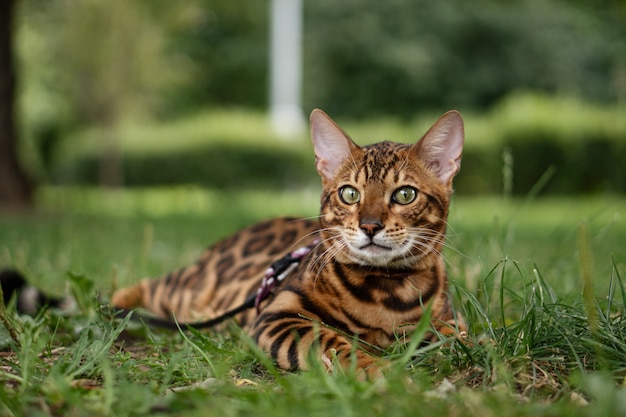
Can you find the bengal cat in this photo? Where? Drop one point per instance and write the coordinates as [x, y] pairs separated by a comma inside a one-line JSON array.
[[377, 265]]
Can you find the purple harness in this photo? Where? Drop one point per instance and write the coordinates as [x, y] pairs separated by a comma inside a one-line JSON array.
[[279, 270]]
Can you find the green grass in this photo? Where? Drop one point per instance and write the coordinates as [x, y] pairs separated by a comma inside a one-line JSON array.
[[540, 281]]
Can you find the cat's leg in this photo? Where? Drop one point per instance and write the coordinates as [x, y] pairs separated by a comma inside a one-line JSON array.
[[184, 295], [131, 297], [451, 327], [293, 337]]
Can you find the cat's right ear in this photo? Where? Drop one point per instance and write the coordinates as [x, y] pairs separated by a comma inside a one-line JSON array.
[[442, 145], [331, 145]]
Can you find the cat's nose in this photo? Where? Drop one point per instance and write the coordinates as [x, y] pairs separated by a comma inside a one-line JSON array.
[[371, 227]]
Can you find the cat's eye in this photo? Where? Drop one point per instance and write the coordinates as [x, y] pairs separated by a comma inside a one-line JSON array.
[[404, 195], [349, 195]]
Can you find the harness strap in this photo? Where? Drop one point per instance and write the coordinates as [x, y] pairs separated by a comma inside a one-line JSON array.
[[276, 273], [279, 270]]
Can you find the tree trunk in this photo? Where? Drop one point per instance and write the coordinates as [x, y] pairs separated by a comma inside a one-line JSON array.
[[16, 189]]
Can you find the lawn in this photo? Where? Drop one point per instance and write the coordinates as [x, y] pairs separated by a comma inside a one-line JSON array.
[[540, 281]]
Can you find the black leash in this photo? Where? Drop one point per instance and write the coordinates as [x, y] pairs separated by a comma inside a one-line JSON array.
[[276, 273], [152, 321]]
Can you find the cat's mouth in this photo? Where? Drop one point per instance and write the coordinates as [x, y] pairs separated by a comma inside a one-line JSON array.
[[375, 247]]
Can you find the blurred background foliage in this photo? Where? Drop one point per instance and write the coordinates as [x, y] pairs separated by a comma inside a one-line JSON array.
[[155, 92]]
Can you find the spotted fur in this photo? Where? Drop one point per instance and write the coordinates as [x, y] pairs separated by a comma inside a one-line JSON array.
[[378, 264]]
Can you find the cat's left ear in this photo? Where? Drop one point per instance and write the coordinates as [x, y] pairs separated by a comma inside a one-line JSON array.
[[331, 145], [442, 145]]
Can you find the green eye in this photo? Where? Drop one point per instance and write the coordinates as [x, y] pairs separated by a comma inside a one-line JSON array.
[[404, 195], [349, 195]]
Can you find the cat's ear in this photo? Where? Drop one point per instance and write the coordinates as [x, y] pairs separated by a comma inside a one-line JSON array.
[[331, 145], [442, 145]]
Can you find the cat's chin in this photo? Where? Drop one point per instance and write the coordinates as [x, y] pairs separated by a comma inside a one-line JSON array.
[[378, 256]]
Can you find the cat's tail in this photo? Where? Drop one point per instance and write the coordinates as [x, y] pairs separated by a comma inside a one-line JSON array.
[[29, 299]]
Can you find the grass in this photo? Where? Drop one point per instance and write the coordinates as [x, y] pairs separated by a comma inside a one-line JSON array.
[[540, 281]]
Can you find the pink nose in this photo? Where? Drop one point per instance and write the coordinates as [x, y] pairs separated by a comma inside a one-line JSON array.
[[371, 228]]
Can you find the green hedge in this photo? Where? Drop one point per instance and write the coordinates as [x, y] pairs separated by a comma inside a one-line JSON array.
[[574, 146], [596, 164], [220, 166]]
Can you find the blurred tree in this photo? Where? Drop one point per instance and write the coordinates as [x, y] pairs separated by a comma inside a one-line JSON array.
[[100, 62], [15, 187], [225, 46], [366, 57], [104, 60], [362, 57]]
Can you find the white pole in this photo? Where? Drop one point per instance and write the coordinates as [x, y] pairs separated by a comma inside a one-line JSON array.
[[286, 67]]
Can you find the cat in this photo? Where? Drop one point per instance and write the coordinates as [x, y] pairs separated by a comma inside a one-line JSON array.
[[374, 266]]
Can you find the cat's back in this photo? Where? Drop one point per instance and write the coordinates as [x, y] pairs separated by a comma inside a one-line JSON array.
[[225, 274], [258, 245]]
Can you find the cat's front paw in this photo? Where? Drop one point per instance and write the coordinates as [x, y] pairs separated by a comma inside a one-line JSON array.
[[366, 367]]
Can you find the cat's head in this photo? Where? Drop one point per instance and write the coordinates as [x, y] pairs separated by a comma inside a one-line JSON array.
[[386, 204]]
